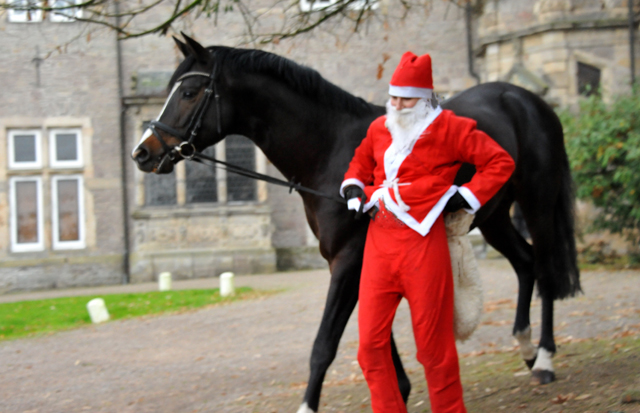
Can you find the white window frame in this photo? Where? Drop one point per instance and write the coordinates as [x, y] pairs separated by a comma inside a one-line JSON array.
[[32, 246], [69, 15], [319, 5], [55, 224], [37, 164], [53, 162], [21, 16]]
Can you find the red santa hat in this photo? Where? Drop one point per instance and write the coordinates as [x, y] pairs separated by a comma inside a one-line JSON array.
[[412, 78]]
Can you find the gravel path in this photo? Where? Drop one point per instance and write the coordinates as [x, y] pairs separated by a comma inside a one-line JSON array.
[[222, 359]]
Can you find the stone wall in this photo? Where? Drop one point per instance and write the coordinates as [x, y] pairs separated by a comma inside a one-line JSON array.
[[50, 79], [198, 243], [547, 38]]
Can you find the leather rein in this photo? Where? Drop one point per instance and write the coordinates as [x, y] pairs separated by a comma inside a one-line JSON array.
[[187, 150]]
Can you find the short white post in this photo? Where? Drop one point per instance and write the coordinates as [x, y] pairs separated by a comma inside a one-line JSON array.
[[164, 281], [226, 284], [97, 310]]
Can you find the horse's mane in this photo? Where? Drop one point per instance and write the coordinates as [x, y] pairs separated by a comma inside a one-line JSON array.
[[301, 79]]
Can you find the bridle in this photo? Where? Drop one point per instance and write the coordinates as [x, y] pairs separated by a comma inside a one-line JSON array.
[[186, 149]]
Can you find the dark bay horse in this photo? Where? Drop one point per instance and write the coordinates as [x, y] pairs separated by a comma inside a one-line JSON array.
[[309, 129]]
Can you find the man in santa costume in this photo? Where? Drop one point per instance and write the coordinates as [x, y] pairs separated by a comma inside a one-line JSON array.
[[403, 173]]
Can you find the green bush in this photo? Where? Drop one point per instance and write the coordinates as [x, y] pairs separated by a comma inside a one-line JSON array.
[[603, 144]]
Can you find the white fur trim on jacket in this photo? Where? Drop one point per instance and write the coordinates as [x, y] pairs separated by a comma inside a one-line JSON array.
[[350, 181], [471, 200], [422, 227]]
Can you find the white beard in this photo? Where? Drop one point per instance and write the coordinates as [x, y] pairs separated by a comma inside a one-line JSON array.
[[406, 125]]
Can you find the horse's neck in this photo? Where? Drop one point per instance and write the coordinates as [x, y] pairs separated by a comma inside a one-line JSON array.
[[298, 135]]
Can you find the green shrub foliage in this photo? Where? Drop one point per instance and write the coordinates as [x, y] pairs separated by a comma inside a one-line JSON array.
[[603, 144]]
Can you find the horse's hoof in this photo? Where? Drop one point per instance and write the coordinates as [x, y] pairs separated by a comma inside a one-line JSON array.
[[531, 362], [543, 376], [304, 408]]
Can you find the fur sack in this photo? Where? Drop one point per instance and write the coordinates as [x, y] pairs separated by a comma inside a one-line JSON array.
[[466, 277]]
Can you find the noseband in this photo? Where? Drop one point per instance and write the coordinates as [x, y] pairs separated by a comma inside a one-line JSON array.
[[186, 149]]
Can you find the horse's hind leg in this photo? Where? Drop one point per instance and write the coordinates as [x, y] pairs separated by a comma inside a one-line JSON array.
[[543, 231], [503, 236], [341, 300]]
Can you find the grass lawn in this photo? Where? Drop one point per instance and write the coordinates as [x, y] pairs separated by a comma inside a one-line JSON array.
[[45, 316]]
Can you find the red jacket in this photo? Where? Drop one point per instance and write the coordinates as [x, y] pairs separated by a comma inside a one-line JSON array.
[[425, 173]]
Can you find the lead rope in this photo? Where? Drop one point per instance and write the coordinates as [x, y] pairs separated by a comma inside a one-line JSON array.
[[262, 177]]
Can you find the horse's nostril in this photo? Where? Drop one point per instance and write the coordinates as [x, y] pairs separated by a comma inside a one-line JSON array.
[[140, 155]]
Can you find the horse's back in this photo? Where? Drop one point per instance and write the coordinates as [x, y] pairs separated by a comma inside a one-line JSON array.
[[514, 117]]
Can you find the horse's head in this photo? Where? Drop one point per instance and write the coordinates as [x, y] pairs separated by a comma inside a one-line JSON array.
[[191, 117]]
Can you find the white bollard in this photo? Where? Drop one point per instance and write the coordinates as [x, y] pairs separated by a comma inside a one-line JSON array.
[[164, 281], [97, 310], [226, 284]]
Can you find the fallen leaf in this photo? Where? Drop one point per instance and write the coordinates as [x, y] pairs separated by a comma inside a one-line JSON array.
[[559, 399]]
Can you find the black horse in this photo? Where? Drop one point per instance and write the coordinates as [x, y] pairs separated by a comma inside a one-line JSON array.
[[309, 129]]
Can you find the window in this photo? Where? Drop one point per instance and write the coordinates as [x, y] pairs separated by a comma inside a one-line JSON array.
[[24, 149], [67, 217], [65, 149], [316, 5], [31, 178], [65, 13], [21, 12], [26, 214], [588, 79]]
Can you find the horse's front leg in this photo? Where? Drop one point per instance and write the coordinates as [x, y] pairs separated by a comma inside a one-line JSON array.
[[341, 300]]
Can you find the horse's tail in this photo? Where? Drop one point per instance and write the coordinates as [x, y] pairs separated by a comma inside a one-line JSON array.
[[567, 283], [556, 268]]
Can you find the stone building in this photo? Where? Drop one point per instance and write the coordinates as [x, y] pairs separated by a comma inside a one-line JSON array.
[[75, 211], [558, 48]]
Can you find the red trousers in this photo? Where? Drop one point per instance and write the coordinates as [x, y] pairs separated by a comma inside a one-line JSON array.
[[399, 262]]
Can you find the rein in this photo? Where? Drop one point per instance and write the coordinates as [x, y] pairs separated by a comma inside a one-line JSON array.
[[187, 150], [199, 156]]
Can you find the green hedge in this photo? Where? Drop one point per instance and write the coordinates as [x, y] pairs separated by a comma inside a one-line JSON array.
[[603, 144]]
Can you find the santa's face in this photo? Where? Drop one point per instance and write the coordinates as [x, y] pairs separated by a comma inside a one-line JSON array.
[[405, 113], [403, 103]]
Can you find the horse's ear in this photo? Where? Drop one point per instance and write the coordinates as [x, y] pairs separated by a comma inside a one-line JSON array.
[[196, 49], [183, 47]]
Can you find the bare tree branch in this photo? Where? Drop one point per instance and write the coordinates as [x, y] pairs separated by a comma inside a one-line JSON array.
[[127, 20]]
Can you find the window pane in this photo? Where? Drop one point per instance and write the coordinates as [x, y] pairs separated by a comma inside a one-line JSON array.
[[65, 14], [24, 148], [68, 210], [201, 181], [19, 13], [66, 147], [25, 15], [27, 212], [242, 152], [160, 189]]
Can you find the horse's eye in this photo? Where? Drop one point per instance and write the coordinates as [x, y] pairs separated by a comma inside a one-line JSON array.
[[188, 94]]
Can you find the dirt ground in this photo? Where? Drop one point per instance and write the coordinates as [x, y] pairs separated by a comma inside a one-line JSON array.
[[252, 356]]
